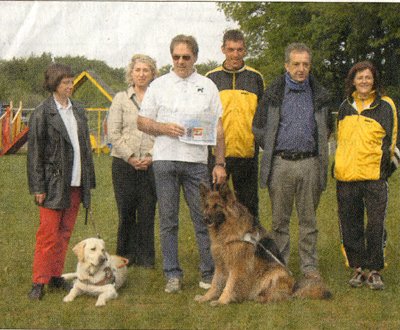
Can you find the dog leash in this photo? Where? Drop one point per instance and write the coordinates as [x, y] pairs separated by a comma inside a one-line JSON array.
[[89, 216], [255, 241], [125, 262]]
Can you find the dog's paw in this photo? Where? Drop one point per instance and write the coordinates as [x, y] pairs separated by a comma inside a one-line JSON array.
[[199, 298], [68, 298], [100, 302], [215, 303]]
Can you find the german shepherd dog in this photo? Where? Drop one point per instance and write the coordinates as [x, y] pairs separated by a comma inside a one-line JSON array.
[[248, 265]]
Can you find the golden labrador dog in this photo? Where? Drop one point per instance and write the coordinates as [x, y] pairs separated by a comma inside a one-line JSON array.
[[248, 265], [97, 272]]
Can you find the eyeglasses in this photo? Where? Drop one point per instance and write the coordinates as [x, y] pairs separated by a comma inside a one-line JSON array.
[[67, 81], [184, 57]]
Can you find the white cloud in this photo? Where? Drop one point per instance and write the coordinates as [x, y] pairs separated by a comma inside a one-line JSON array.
[[109, 31]]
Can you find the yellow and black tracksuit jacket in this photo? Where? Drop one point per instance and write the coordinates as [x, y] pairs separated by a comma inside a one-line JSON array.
[[240, 92], [366, 141]]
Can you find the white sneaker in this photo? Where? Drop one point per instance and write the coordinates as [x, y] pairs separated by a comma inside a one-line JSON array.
[[174, 284], [358, 278], [375, 281], [205, 283]]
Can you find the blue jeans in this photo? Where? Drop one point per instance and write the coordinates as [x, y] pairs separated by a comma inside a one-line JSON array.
[[170, 176]]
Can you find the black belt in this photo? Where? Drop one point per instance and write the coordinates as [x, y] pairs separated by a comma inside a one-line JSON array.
[[288, 155]]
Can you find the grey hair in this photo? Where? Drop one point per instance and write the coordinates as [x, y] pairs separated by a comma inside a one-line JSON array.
[[143, 59], [298, 47]]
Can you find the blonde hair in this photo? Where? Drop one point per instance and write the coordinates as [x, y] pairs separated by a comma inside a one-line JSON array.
[[143, 59]]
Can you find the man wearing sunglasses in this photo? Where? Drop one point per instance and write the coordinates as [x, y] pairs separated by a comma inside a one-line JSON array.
[[240, 87], [179, 159]]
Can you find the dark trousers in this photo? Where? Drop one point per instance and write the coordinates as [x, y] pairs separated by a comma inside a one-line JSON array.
[[244, 174], [136, 202], [364, 245]]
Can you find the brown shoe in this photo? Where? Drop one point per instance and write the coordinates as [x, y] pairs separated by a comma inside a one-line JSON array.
[[358, 278], [37, 292], [375, 281]]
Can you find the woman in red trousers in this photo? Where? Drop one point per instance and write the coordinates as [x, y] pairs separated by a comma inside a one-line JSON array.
[[60, 175]]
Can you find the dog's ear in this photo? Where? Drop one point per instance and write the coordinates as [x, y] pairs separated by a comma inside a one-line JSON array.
[[226, 193], [103, 243], [79, 250], [204, 189]]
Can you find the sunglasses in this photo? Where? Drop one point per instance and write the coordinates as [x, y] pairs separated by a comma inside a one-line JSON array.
[[184, 57]]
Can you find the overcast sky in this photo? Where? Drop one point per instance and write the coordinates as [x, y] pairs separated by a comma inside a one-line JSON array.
[[109, 31]]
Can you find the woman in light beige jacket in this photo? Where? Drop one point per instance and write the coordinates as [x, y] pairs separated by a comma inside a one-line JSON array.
[[132, 172]]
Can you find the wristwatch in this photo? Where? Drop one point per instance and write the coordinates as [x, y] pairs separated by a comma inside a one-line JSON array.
[[221, 164]]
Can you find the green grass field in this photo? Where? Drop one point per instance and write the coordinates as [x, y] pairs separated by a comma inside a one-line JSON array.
[[142, 303]]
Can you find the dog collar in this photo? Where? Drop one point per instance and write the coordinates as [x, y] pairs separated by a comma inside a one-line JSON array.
[[109, 278], [250, 238]]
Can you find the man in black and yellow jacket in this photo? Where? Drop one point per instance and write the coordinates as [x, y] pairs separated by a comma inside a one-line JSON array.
[[240, 88]]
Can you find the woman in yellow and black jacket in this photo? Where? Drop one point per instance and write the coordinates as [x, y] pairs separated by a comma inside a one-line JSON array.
[[366, 155]]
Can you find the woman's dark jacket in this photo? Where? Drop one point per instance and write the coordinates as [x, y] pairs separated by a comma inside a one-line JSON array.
[[266, 125], [50, 155]]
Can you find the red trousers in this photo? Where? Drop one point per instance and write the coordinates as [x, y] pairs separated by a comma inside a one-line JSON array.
[[52, 239]]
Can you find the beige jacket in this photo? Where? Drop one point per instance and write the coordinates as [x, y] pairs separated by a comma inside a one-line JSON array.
[[123, 133]]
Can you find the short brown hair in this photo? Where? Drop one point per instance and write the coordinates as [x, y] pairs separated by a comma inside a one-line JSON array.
[[361, 66], [233, 35], [54, 74], [183, 39]]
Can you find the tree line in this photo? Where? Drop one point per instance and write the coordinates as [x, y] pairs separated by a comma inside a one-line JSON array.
[[21, 79], [339, 34]]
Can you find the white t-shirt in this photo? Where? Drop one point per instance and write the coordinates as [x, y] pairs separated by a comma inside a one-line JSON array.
[[168, 99]]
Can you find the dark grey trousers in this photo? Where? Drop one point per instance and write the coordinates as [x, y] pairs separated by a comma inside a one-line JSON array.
[[296, 183]]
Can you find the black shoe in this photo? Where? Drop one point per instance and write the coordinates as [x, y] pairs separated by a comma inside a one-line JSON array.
[[147, 265], [60, 283], [37, 292], [131, 259]]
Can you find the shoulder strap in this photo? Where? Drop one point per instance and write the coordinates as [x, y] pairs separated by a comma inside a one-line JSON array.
[[134, 101]]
